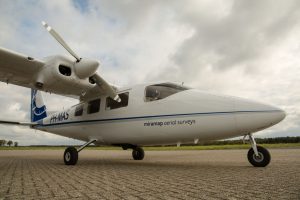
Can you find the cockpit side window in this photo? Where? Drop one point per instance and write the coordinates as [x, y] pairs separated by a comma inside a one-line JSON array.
[[161, 91]]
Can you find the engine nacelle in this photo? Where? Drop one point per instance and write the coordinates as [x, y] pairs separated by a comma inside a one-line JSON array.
[[60, 75]]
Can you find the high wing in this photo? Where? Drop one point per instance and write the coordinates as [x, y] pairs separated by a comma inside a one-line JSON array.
[[18, 69], [48, 76]]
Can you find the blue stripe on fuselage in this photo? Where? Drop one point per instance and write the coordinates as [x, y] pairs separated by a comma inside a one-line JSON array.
[[109, 120]]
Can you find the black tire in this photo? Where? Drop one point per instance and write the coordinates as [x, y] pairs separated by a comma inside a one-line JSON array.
[[70, 156], [138, 153], [262, 160]]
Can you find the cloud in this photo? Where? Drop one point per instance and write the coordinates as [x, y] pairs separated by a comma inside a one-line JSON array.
[[241, 48], [235, 38]]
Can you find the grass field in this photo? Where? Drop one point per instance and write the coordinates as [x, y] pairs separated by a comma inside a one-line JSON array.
[[206, 147]]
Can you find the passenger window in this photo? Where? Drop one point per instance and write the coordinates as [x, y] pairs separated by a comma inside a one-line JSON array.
[[79, 110], [112, 104], [93, 106]]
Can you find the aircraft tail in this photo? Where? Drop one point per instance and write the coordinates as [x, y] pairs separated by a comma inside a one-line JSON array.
[[38, 108]]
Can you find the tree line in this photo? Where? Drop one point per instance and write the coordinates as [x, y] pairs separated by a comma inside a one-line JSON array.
[[8, 143], [276, 140]]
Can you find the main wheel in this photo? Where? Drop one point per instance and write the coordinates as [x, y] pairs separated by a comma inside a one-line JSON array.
[[70, 156], [263, 158], [138, 153]]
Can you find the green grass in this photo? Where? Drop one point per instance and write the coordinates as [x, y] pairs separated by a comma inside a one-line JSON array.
[[168, 148], [31, 148], [228, 146]]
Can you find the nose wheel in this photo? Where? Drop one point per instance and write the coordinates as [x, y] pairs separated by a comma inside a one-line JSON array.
[[258, 156], [262, 159]]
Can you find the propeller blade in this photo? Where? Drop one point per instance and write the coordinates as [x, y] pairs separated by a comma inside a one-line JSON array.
[[102, 83], [60, 40]]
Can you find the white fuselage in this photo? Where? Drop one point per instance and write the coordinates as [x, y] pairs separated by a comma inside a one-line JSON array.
[[180, 118]]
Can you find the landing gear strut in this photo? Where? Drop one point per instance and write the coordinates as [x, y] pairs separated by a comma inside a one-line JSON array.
[[258, 156], [71, 153]]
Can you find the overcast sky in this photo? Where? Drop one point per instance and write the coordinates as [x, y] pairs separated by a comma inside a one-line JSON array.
[[249, 49]]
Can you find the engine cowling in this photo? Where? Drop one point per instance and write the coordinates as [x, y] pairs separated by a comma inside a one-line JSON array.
[[60, 74]]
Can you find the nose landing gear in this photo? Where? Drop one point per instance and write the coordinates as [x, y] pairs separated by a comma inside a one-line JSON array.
[[258, 156]]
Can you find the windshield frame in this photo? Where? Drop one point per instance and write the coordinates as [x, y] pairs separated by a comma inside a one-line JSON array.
[[162, 93]]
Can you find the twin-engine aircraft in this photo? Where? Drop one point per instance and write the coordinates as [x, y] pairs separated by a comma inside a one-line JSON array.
[[131, 117]]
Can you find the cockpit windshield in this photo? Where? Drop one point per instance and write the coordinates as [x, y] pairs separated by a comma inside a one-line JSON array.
[[163, 90]]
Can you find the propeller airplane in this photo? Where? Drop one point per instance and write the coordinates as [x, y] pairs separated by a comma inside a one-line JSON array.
[[131, 117]]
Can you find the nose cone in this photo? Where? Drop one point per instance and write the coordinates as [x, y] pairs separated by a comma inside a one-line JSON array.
[[281, 114], [254, 116]]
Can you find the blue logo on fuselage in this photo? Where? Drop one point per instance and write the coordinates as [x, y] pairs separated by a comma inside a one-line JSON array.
[[37, 113]]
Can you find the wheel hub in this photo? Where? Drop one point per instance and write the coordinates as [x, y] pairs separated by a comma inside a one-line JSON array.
[[259, 157], [68, 156]]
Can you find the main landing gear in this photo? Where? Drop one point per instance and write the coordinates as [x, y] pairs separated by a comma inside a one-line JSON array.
[[137, 152], [71, 153], [258, 156]]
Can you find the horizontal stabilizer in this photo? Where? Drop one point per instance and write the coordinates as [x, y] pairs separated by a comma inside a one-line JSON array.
[[18, 123]]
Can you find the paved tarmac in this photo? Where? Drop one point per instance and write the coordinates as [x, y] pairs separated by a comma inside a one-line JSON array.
[[213, 174]]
